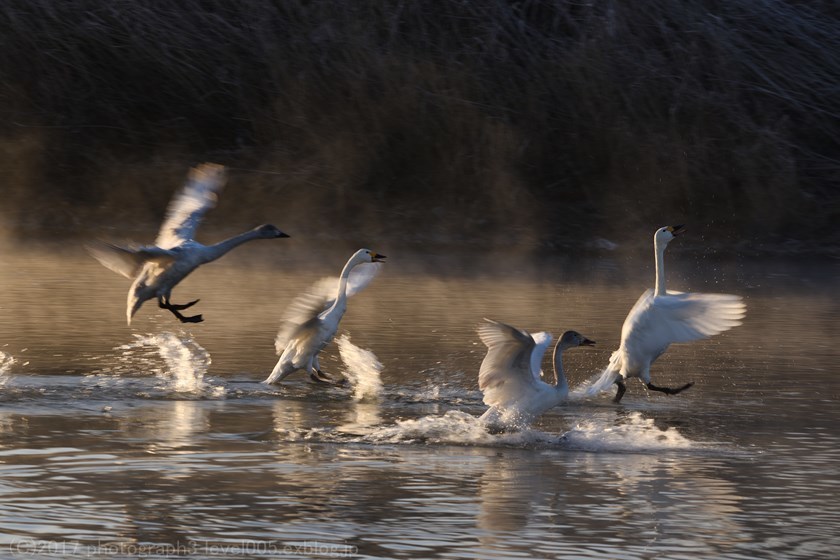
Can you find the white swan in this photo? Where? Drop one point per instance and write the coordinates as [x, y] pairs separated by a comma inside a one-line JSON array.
[[510, 373], [157, 269], [312, 319], [661, 318]]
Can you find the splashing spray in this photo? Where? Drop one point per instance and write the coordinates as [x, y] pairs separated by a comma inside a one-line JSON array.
[[184, 361], [362, 369]]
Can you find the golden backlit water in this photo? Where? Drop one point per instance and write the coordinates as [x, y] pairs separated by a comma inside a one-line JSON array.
[[105, 450]]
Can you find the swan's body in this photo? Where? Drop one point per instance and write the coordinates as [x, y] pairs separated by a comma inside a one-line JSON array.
[[510, 373], [312, 320], [156, 270], [660, 318]]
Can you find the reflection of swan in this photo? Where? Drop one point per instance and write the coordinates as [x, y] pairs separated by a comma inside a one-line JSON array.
[[660, 318], [167, 424], [158, 268], [510, 372], [312, 320]]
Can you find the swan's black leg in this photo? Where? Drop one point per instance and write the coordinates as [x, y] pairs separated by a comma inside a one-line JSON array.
[[620, 392], [173, 308], [320, 377], [668, 390]]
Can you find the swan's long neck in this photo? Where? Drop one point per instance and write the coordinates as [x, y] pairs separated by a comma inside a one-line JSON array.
[[341, 295], [561, 384], [221, 248], [659, 250]]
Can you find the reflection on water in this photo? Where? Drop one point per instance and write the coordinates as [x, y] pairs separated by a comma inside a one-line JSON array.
[[134, 437]]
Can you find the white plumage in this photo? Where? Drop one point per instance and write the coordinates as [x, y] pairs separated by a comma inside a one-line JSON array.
[[660, 318], [510, 375], [312, 319], [157, 269]]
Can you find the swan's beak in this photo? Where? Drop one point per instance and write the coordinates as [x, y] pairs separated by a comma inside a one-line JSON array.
[[676, 230], [377, 257], [281, 234], [587, 342]]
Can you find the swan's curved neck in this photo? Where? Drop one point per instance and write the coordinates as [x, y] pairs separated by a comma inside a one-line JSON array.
[[561, 384], [659, 250], [341, 295], [213, 252]]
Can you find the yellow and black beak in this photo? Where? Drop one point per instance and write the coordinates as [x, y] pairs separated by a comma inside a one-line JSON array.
[[377, 257], [676, 230]]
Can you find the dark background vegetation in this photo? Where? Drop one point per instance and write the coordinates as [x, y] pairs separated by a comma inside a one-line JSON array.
[[527, 122]]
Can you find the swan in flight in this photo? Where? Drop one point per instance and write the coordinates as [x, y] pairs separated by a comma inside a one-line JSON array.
[[661, 318], [312, 319], [157, 269], [510, 373]]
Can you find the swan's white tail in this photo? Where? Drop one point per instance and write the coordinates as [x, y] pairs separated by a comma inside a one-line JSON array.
[[600, 382], [281, 370]]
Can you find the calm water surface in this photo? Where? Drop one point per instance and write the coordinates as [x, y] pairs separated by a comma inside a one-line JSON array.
[[159, 439]]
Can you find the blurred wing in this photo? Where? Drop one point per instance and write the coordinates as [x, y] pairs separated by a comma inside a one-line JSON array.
[[361, 276], [657, 321], [303, 309], [127, 262], [197, 196], [506, 373]]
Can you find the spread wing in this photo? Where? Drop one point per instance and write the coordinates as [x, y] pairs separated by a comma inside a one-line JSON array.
[[507, 373], [358, 280], [657, 321], [188, 206], [126, 261], [301, 311], [318, 298]]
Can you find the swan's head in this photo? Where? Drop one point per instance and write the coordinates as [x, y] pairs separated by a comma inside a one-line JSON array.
[[571, 339], [367, 256], [268, 231], [665, 234]]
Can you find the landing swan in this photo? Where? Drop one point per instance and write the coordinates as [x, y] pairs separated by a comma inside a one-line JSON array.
[[157, 269], [510, 373], [661, 318], [312, 319]]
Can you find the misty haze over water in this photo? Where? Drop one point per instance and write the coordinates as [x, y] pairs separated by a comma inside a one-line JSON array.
[[541, 124]]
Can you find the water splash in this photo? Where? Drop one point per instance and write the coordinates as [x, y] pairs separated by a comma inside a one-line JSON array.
[[362, 369], [6, 362], [457, 428], [184, 361], [634, 433]]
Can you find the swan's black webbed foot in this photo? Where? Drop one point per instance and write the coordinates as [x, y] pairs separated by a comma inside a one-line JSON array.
[[320, 377], [191, 319], [620, 391], [668, 390], [175, 308]]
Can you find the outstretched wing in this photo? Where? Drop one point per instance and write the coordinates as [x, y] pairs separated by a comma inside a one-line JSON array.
[[303, 309], [359, 278], [318, 298], [657, 321], [196, 197], [125, 261], [506, 373]]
